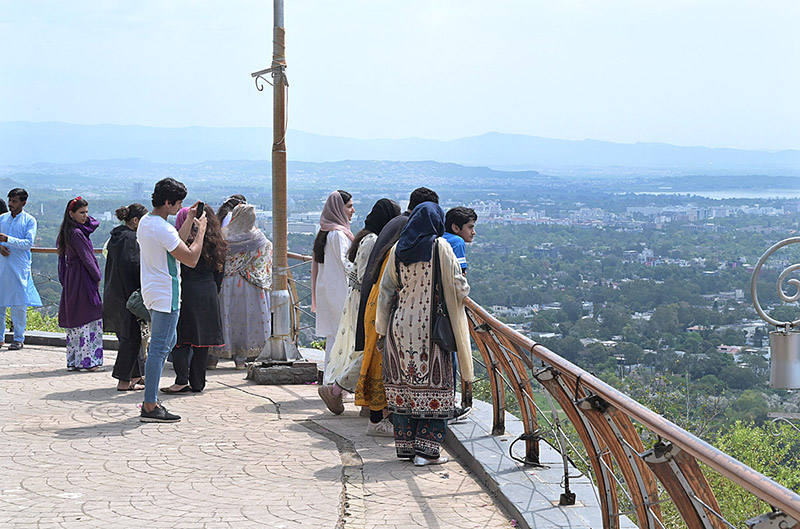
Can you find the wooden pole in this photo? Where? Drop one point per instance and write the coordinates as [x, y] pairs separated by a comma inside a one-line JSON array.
[[280, 347], [279, 214]]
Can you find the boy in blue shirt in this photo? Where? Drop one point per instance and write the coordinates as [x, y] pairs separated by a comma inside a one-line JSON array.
[[459, 223]]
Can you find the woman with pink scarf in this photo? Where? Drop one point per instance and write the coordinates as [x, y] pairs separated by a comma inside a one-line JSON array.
[[330, 266]]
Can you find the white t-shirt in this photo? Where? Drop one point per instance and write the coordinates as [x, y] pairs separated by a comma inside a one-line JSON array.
[[159, 271]]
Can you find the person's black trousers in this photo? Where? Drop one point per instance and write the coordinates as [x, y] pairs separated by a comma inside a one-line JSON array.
[[188, 370], [130, 361]]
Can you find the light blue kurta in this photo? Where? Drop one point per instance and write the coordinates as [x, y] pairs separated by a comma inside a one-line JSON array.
[[16, 283]]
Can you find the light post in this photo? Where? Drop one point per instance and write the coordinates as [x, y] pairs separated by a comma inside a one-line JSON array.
[[784, 341], [280, 347]]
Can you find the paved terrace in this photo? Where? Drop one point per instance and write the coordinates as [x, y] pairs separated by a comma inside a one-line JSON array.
[[74, 455]]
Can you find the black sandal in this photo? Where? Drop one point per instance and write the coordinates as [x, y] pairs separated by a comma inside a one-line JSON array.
[[168, 391]]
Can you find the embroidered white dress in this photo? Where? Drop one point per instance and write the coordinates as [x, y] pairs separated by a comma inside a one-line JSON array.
[[344, 358]]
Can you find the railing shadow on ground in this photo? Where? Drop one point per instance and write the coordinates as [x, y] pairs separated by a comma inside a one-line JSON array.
[[611, 430]]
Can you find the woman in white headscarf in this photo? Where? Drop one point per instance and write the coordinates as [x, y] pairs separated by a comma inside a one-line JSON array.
[[244, 298], [330, 266]]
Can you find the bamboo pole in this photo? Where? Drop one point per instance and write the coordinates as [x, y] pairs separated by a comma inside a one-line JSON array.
[[279, 214], [280, 346]]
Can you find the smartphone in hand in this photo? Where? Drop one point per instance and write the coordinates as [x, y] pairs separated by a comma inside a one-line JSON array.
[[201, 208]]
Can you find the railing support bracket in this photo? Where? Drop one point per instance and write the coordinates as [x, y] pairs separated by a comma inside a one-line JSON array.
[[771, 520]]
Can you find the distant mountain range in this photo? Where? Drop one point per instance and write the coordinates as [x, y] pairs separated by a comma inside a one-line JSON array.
[[24, 143]]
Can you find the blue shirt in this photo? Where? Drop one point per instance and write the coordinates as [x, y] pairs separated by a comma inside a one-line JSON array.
[[16, 283], [459, 248]]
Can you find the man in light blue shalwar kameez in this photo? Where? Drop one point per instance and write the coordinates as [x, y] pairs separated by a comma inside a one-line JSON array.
[[17, 233]]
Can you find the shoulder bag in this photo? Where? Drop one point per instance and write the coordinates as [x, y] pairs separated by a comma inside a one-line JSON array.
[[441, 330], [135, 305]]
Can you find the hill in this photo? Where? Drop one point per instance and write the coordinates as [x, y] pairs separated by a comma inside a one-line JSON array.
[[23, 143]]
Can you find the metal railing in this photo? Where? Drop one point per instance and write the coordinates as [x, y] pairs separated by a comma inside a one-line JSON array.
[[300, 292], [603, 418]]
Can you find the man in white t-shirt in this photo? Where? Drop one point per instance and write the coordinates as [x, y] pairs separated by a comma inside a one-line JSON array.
[[162, 247]]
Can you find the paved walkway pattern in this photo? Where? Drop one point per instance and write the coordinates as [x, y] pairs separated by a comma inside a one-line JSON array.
[[74, 455]]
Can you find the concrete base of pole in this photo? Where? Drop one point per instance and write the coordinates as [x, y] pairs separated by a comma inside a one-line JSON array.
[[280, 347], [283, 373], [278, 350]]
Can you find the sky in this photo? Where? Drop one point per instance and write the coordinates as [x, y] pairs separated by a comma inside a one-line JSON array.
[[717, 73]]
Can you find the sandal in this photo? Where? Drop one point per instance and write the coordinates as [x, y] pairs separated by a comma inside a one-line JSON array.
[[133, 386], [170, 391]]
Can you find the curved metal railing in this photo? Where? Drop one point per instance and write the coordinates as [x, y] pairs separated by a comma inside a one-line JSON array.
[[603, 418]]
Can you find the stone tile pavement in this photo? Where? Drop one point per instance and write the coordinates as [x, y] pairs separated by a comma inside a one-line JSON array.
[[74, 455]]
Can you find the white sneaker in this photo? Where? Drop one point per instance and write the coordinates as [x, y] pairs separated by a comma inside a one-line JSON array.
[[381, 429], [420, 461]]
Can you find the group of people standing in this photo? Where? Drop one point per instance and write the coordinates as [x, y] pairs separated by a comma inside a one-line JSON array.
[[376, 295], [204, 285], [203, 289]]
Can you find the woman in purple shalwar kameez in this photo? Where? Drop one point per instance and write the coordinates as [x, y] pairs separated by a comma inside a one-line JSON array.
[[80, 310]]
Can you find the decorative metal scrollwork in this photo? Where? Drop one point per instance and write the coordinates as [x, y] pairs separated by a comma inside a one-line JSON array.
[[276, 71], [780, 285], [775, 429], [260, 80]]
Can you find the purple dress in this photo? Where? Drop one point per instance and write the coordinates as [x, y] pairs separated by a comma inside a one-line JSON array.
[[81, 308]]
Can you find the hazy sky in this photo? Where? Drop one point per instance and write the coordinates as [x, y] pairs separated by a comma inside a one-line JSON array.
[[687, 72]]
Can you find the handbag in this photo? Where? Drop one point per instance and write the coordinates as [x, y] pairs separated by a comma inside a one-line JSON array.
[[135, 305], [441, 330]]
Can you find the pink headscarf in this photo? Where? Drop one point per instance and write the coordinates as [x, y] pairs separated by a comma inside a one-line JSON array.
[[333, 217], [180, 218]]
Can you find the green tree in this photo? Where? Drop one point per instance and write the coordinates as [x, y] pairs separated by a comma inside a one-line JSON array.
[[632, 353], [777, 457], [751, 406], [665, 319], [572, 308]]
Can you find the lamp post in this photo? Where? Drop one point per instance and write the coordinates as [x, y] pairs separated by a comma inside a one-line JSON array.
[[280, 347]]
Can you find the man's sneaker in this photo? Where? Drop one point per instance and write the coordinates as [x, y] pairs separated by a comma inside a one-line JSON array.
[[15, 346], [459, 414], [159, 414], [381, 429]]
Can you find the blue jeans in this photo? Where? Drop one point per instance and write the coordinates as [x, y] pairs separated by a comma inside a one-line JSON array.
[[19, 317], [163, 336]]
